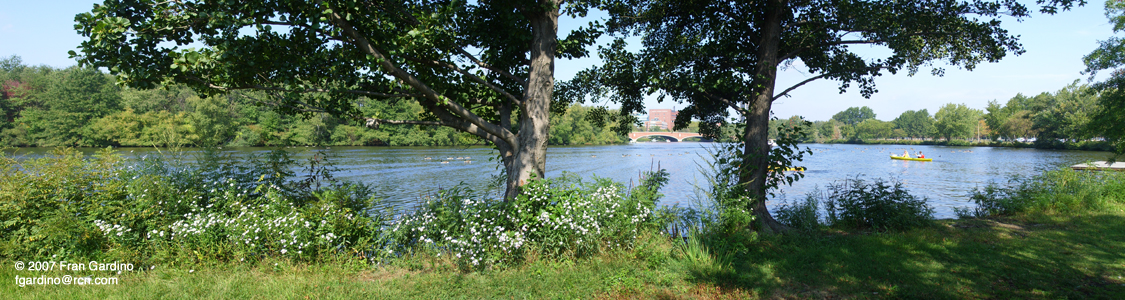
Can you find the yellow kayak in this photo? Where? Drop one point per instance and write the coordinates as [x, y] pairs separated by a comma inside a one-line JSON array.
[[790, 169], [911, 158]]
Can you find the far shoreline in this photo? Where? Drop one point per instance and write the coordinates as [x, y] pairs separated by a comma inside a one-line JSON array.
[[1103, 146]]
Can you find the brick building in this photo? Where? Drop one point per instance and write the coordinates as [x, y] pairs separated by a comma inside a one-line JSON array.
[[662, 118]]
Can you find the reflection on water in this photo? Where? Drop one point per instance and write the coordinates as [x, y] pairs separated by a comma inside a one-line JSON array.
[[401, 175]]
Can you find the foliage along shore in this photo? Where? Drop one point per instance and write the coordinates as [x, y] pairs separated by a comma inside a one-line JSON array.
[[42, 106], [1072, 118], [1082, 145], [234, 224]]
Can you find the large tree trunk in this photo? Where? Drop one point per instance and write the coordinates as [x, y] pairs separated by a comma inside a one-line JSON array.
[[530, 155], [756, 152]]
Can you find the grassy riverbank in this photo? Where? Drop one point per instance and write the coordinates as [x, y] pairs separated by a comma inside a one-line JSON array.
[[1034, 256], [220, 230]]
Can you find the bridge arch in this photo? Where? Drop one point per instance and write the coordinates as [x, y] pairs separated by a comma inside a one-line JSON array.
[[674, 139], [674, 136]]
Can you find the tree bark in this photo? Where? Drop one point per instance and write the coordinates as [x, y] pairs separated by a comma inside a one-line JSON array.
[[530, 155], [756, 139]]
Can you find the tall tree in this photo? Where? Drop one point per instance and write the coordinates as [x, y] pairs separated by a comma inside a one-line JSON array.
[[725, 55], [1109, 119], [471, 65], [854, 115], [831, 129], [1019, 125], [874, 129], [995, 115], [11, 89], [915, 124], [72, 100], [1065, 114], [956, 121]]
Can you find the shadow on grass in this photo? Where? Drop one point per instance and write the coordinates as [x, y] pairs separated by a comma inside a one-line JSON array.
[[1028, 257]]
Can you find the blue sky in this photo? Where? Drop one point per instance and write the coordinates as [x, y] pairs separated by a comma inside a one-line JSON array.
[[41, 33]]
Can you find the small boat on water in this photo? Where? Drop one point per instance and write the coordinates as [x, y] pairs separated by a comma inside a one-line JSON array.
[[790, 169], [911, 158]]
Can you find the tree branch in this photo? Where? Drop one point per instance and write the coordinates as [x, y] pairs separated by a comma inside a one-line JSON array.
[[453, 121], [430, 96], [491, 68], [301, 107], [374, 123], [795, 86], [794, 53], [266, 88], [456, 123], [728, 102], [472, 77]]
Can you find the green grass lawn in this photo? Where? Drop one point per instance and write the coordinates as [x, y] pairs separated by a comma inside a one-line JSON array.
[[1038, 256]]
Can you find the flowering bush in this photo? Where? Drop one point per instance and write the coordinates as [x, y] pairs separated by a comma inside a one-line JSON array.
[[556, 217], [69, 207], [275, 228], [66, 206]]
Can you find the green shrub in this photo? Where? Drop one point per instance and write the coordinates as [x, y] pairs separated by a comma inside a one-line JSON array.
[[1061, 190], [65, 206], [46, 204], [993, 200], [802, 214], [857, 204], [556, 217], [151, 211]]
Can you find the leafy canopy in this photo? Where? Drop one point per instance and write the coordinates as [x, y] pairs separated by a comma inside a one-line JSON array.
[[956, 121], [460, 59], [854, 115], [710, 53], [1109, 120], [915, 124]]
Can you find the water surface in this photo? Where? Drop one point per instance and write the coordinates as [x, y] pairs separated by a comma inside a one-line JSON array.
[[401, 175]]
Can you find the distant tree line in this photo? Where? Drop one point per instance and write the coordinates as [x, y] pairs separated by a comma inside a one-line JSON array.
[[42, 106], [1048, 118]]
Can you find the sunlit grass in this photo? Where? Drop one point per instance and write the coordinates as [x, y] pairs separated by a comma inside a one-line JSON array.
[[1037, 256], [1030, 256], [583, 240]]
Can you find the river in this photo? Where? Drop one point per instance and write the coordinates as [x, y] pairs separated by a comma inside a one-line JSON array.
[[402, 175]]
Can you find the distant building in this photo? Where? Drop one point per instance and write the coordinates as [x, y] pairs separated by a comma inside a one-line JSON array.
[[661, 118]]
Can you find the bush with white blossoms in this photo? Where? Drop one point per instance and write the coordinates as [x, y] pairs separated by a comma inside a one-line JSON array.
[[555, 217], [67, 206], [149, 211], [275, 228]]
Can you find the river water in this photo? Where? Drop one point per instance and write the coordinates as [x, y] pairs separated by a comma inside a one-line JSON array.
[[402, 175]]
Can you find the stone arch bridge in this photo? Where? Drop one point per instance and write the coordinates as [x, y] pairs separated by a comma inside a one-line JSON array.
[[674, 136]]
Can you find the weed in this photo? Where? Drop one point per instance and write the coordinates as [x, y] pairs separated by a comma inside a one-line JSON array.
[[1062, 190], [879, 205]]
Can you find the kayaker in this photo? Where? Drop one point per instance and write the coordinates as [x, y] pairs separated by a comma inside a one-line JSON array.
[[905, 154], [920, 155]]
